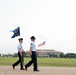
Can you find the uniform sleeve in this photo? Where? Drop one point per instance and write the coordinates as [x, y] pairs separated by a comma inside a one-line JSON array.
[[19, 47], [31, 44]]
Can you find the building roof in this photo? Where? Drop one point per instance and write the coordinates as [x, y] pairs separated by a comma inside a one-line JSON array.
[[47, 50]]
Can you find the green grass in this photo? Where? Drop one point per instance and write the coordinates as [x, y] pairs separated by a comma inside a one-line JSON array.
[[58, 62]]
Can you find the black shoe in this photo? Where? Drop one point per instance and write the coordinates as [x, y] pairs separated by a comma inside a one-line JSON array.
[[13, 66], [22, 69], [36, 70], [25, 68]]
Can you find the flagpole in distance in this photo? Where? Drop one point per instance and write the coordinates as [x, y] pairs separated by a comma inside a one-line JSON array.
[[19, 31], [42, 44]]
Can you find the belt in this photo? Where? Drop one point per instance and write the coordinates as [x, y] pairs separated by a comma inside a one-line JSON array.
[[34, 51]]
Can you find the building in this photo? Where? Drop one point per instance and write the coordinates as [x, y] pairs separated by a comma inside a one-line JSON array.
[[46, 53]]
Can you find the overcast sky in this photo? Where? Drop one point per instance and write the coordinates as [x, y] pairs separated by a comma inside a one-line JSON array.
[[53, 21]]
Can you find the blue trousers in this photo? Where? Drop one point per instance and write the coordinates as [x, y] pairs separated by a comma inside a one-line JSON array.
[[33, 61], [21, 59]]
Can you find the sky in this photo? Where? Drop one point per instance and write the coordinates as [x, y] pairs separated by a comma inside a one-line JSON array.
[[53, 21]]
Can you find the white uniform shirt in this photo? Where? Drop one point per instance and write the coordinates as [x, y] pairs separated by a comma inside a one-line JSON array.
[[33, 46], [19, 47]]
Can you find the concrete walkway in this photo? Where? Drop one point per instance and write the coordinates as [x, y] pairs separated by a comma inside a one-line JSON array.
[[7, 70]]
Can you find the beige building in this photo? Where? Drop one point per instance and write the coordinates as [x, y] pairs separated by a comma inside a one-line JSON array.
[[46, 53]]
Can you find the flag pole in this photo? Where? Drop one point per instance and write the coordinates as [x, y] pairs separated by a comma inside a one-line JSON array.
[[20, 32], [20, 36]]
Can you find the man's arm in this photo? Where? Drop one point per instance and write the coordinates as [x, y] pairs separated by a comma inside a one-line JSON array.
[[30, 50], [20, 52]]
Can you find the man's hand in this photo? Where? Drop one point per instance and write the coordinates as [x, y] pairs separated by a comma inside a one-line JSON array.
[[21, 54], [30, 53], [25, 52]]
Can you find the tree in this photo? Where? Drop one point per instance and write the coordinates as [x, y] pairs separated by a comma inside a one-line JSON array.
[[70, 55], [61, 55], [0, 54]]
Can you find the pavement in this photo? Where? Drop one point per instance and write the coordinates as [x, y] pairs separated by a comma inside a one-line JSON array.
[[8, 70]]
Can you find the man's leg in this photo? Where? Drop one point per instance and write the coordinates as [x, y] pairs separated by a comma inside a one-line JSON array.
[[35, 61], [16, 63], [29, 63], [21, 63]]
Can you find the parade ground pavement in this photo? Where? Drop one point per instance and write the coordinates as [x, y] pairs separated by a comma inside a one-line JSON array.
[[8, 70]]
